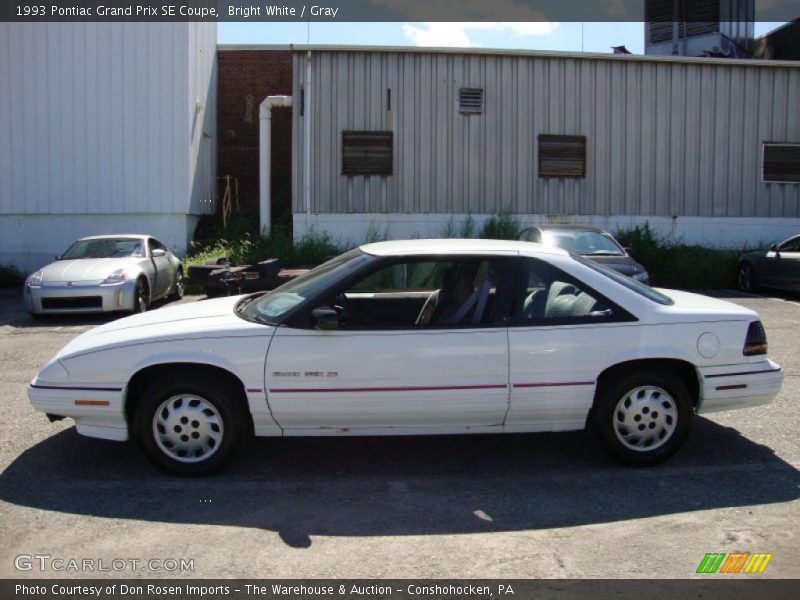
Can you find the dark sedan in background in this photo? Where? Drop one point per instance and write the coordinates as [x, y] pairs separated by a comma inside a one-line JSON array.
[[592, 242], [778, 267]]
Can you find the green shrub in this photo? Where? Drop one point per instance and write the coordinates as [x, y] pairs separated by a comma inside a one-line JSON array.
[[504, 226], [243, 246], [10, 276], [678, 265]]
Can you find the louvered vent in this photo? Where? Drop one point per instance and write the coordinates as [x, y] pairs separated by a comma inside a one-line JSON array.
[[562, 155], [470, 100], [367, 152]]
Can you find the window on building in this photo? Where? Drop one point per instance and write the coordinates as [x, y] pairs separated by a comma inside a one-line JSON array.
[[367, 153], [470, 100], [781, 163], [562, 155]]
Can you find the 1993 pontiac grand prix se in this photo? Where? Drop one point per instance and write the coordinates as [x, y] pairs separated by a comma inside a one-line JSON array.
[[416, 337]]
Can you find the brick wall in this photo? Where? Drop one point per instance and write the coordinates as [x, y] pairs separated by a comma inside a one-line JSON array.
[[245, 78]]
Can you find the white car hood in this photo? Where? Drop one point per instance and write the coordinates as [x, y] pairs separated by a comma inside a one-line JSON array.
[[84, 269], [699, 307], [194, 320]]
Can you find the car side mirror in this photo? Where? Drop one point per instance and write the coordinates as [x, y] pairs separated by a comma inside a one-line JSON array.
[[773, 247], [57, 257], [157, 252], [325, 318], [628, 250]]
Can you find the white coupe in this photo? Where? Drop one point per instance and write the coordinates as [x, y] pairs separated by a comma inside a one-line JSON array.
[[416, 337]]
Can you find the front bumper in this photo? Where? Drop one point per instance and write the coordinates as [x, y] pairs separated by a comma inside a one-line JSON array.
[[98, 411], [79, 298], [739, 386]]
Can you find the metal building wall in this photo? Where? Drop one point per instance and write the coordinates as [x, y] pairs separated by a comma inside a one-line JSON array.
[[664, 137], [97, 118]]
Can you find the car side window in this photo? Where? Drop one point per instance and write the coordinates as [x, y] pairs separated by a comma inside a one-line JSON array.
[[792, 245], [422, 293], [548, 296]]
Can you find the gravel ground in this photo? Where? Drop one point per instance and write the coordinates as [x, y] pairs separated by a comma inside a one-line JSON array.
[[545, 505]]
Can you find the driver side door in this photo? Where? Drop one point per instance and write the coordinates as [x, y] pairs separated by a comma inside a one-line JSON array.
[[162, 278], [393, 364]]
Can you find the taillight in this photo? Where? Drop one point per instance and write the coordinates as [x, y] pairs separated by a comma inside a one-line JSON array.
[[756, 340]]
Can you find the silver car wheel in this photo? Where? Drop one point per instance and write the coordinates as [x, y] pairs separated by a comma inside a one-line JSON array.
[[645, 418], [187, 428], [745, 278]]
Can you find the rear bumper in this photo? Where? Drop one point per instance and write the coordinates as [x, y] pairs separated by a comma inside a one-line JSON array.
[[97, 412], [739, 386]]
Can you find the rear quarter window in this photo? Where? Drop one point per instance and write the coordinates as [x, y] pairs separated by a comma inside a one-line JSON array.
[[633, 285]]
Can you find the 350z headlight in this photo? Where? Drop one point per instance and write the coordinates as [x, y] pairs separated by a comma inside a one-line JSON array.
[[35, 279], [117, 276]]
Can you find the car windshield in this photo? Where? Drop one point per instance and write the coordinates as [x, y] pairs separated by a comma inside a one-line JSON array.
[[105, 248], [630, 283], [278, 302], [587, 243]]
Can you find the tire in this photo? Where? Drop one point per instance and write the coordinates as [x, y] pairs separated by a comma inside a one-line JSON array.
[[141, 301], [747, 278], [176, 293], [174, 411], [643, 418]]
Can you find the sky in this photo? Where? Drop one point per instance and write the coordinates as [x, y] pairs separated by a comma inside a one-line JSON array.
[[588, 37]]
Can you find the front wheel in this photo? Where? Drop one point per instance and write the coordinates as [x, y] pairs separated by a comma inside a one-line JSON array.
[[140, 298], [192, 425], [643, 418]]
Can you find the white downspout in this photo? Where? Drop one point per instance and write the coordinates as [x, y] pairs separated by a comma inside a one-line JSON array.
[[307, 110], [265, 157]]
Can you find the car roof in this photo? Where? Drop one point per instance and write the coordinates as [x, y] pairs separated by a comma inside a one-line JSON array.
[[458, 246], [115, 236], [568, 227]]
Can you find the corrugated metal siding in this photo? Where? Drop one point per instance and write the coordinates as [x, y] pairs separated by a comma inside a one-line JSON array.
[[93, 117], [663, 138], [202, 59]]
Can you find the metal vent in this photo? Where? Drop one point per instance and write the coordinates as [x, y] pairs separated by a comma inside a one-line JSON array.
[[781, 163], [367, 152], [562, 155], [470, 100]]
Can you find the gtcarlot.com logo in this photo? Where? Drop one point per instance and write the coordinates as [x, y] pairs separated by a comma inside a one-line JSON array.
[[47, 562], [735, 562]]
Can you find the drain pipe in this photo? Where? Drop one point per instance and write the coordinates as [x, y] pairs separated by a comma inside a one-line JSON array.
[[308, 109], [265, 157]]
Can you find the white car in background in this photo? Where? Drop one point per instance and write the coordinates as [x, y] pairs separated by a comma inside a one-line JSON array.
[[416, 337], [105, 273]]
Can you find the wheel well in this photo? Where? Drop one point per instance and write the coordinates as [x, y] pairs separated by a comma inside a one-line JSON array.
[[142, 378], [683, 369]]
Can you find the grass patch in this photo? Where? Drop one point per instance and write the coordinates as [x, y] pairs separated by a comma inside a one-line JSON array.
[[11, 276], [678, 265]]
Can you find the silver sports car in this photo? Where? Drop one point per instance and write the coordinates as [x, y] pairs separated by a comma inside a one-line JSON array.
[[105, 273]]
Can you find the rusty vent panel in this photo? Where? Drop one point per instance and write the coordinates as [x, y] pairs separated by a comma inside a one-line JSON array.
[[562, 155], [781, 163], [367, 153]]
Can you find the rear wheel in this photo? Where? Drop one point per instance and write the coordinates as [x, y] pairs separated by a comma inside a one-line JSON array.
[[176, 293], [643, 418], [190, 425], [747, 279]]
